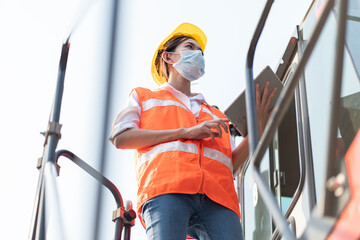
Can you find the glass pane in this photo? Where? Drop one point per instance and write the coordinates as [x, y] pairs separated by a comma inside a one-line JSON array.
[[285, 203], [353, 33]]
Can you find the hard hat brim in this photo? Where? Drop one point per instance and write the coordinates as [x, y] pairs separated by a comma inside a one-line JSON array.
[[185, 29]]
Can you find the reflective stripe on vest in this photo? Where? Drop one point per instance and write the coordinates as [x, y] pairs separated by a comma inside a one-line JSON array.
[[218, 156], [166, 147], [148, 104], [185, 147]]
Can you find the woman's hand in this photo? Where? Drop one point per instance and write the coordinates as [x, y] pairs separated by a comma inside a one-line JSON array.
[[211, 128], [263, 105]]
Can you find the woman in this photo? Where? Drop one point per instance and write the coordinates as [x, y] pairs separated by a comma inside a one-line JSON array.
[[185, 157]]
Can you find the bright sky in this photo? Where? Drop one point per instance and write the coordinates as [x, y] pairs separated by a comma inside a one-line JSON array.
[[32, 35]]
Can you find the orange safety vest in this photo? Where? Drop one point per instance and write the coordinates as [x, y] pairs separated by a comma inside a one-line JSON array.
[[182, 166]]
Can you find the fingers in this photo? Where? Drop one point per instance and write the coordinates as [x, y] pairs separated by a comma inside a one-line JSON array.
[[263, 101], [222, 120], [265, 93], [223, 124], [263, 105], [210, 134], [215, 124], [270, 98]]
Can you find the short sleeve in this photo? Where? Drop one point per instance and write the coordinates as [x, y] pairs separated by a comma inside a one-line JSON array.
[[129, 117]]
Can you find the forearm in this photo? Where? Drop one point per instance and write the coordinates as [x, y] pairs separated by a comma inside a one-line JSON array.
[[139, 138], [240, 154]]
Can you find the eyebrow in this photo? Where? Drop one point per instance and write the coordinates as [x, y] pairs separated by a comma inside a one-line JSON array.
[[193, 45]]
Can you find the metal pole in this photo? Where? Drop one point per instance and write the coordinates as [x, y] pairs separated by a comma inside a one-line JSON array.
[[250, 92], [53, 219], [52, 136], [327, 202], [106, 125]]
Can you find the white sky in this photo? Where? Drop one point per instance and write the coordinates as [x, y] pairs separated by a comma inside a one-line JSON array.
[[32, 33]]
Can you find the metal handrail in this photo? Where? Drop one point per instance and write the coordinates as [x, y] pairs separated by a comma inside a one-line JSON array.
[[92, 172], [253, 128], [279, 111], [126, 215], [250, 97]]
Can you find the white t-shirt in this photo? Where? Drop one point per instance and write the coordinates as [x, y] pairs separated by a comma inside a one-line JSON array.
[[129, 117]]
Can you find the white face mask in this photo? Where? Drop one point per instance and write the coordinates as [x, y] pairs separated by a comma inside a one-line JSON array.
[[191, 65]]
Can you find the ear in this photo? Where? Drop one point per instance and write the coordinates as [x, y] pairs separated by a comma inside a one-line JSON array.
[[167, 57]]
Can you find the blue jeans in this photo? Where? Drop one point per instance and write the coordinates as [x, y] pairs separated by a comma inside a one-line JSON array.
[[174, 216]]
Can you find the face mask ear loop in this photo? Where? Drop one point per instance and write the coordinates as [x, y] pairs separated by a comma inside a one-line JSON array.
[[162, 56]]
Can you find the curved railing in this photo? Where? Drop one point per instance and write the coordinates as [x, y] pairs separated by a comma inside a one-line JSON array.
[[123, 217]]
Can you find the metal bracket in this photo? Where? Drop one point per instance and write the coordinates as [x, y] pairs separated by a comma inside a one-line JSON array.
[[128, 217], [39, 165], [276, 178], [53, 128], [278, 175]]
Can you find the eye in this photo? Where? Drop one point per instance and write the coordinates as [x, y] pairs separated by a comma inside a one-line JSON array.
[[189, 46]]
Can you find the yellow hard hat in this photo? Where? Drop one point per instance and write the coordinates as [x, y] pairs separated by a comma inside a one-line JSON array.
[[185, 29]]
